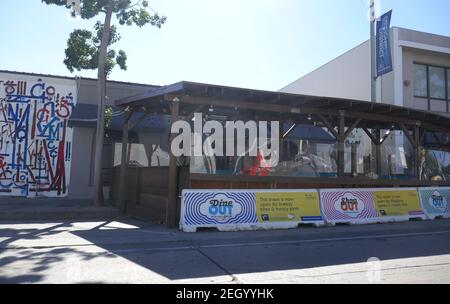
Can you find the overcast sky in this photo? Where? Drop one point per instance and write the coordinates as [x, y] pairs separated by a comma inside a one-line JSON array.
[[260, 44]]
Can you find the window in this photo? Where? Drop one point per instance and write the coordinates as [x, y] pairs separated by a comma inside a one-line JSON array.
[[437, 82], [448, 84], [432, 83], [420, 80]]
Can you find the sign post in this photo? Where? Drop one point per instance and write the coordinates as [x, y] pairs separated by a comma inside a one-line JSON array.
[[373, 76]]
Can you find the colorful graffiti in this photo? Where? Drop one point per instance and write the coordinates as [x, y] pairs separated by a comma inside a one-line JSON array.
[[35, 140]]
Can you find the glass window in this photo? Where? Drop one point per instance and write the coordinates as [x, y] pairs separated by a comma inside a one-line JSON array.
[[435, 165], [138, 156], [437, 82], [420, 80], [448, 84]]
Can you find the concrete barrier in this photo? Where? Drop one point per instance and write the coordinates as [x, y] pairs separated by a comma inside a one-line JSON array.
[[365, 206], [234, 210], [435, 202]]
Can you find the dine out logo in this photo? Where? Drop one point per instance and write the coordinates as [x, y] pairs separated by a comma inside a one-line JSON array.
[[349, 205], [438, 201], [220, 208]]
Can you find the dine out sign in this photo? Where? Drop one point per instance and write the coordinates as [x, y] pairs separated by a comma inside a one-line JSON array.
[[220, 207]]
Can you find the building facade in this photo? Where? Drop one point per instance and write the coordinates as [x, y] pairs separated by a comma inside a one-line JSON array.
[[420, 80], [420, 77], [48, 122], [48, 130]]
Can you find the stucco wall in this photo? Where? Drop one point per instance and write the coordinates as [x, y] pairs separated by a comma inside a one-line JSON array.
[[114, 90], [81, 186], [344, 77], [347, 76]]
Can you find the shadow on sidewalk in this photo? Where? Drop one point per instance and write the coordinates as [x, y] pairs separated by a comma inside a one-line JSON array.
[[176, 256]]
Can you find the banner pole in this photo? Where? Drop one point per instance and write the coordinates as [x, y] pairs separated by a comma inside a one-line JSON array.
[[373, 76]]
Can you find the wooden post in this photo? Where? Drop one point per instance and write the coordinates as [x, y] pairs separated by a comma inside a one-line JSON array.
[[124, 164], [341, 145], [415, 141], [378, 151], [281, 149], [417, 154], [173, 176]]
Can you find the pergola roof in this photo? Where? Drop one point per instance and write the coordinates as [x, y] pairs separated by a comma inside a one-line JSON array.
[[339, 116], [194, 96]]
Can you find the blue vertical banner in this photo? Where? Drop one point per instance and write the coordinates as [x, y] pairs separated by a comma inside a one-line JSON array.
[[383, 53]]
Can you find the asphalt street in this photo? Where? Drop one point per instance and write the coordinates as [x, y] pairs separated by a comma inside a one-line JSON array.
[[136, 252]]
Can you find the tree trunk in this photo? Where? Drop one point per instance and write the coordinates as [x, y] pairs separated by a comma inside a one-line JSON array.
[[98, 187]]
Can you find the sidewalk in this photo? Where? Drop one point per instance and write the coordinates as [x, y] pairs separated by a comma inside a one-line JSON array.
[[38, 209], [130, 251], [138, 235]]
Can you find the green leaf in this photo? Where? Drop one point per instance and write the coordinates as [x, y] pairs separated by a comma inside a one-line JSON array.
[[108, 116], [121, 60], [83, 46], [83, 50]]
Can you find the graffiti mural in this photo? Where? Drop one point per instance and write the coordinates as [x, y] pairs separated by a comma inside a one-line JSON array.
[[35, 140]]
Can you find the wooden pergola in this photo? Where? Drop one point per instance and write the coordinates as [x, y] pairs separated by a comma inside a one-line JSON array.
[[339, 116]]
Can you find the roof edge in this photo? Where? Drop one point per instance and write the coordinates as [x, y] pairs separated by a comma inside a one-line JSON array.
[[74, 78]]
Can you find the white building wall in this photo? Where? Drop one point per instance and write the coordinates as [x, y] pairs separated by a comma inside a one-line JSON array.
[[344, 77]]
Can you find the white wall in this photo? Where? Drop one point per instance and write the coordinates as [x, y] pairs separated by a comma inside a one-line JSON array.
[[347, 76]]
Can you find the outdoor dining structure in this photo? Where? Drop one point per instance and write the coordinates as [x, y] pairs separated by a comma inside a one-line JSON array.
[[324, 143]]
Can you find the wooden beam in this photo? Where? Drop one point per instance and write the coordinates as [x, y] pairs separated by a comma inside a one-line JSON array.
[[124, 164], [240, 104], [348, 106], [437, 138], [191, 115], [422, 137], [141, 119], [386, 136], [383, 110], [341, 145], [353, 126], [317, 103], [363, 107], [328, 125], [372, 137], [337, 181], [407, 134]]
